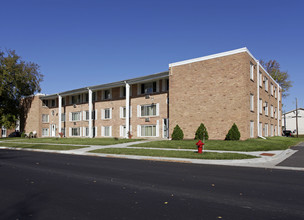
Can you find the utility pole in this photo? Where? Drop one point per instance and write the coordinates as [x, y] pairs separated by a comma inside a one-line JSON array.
[[297, 117]]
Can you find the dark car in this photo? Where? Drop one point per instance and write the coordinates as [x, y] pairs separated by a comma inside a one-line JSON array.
[[287, 133], [15, 134]]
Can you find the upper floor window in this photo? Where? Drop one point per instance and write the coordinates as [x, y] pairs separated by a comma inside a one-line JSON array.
[[261, 79], [106, 113], [271, 89], [266, 108], [62, 117], [251, 102], [75, 99], [251, 71], [45, 118], [271, 111], [260, 106], [148, 110], [106, 94], [86, 97], [86, 115], [45, 102], [148, 88], [123, 112], [53, 103], [75, 116], [165, 85], [266, 84], [275, 92], [63, 101]]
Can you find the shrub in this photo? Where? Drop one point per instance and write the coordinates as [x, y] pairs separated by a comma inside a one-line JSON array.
[[199, 134], [178, 133], [233, 133], [30, 135], [23, 135]]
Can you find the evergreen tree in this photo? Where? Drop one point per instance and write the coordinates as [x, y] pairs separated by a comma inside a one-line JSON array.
[[233, 133], [199, 134], [178, 133]]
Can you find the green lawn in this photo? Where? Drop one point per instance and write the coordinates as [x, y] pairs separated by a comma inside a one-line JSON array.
[[177, 154], [40, 146], [271, 143], [80, 141]]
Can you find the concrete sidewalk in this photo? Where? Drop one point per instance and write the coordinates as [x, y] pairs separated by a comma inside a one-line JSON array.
[[267, 159]]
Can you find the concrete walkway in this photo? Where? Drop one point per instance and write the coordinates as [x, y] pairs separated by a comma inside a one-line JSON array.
[[267, 159]]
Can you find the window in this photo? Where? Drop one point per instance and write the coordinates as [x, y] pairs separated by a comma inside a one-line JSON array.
[[62, 117], [63, 102], [275, 92], [165, 85], [275, 131], [251, 102], [76, 99], [251, 129], [261, 79], [63, 131], [86, 131], [275, 112], [75, 116], [271, 89], [260, 106], [106, 131], [75, 132], [149, 110], [271, 111], [86, 115], [266, 84], [123, 112], [266, 130], [106, 113], [251, 71], [148, 130], [148, 88], [45, 102], [45, 132], [106, 94], [53, 103], [271, 130], [266, 108], [45, 118]]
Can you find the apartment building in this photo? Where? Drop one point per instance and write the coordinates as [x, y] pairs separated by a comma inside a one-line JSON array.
[[217, 90], [289, 120]]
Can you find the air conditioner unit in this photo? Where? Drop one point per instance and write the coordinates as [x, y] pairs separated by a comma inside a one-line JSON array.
[[264, 105], [74, 105], [147, 119], [147, 96]]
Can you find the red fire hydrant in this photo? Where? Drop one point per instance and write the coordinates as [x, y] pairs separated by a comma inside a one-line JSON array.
[[199, 146]]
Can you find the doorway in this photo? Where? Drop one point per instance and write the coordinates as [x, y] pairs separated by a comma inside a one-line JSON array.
[[166, 128], [53, 130]]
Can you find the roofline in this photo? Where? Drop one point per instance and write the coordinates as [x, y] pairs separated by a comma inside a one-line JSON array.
[[293, 111], [142, 79], [217, 55]]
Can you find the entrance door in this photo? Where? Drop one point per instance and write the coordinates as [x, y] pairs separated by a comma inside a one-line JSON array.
[[165, 128], [53, 130], [3, 132]]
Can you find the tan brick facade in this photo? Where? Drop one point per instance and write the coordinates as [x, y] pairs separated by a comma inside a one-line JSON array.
[[215, 91]]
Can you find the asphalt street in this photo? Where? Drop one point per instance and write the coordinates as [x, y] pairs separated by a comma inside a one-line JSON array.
[[37, 185], [297, 159]]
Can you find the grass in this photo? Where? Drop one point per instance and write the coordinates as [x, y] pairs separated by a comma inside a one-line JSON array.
[[177, 154], [39, 146], [271, 143], [80, 141]]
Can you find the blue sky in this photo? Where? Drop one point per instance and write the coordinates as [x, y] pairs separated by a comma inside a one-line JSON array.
[[89, 42]]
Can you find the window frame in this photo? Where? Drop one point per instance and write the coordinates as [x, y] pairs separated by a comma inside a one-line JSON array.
[[48, 118]]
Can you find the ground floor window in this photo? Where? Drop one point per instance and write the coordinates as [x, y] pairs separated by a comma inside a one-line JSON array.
[[266, 130], [148, 130], [63, 131], [45, 132], [251, 129], [271, 130], [260, 128], [75, 131], [86, 131], [275, 130], [106, 131]]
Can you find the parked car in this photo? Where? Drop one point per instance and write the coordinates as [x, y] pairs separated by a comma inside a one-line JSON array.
[[287, 133], [15, 134]]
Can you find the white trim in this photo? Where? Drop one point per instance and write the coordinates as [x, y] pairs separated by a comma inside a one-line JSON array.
[[138, 131], [217, 55], [138, 111], [157, 128]]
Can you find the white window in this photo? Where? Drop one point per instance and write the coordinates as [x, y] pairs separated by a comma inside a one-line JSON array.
[[260, 129], [75, 132], [62, 117], [75, 116], [251, 102], [271, 130], [86, 131], [123, 112], [261, 79], [266, 130], [106, 131], [165, 85], [275, 92], [251, 129], [106, 113], [271, 111], [45, 118], [251, 71], [123, 130], [271, 89], [106, 94], [260, 106], [275, 131], [148, 130], [266, 84], [148, 110], [45, 132], [275, 112], [266, 108], [86, 115]]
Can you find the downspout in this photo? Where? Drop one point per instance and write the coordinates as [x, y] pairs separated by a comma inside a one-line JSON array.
[[59, 113], [279, 129], [127, 110]]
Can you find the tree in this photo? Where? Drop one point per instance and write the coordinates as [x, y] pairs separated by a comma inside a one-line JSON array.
[[273, 68], [18, 79], [233, 133], [201, 132], [178, 133]]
